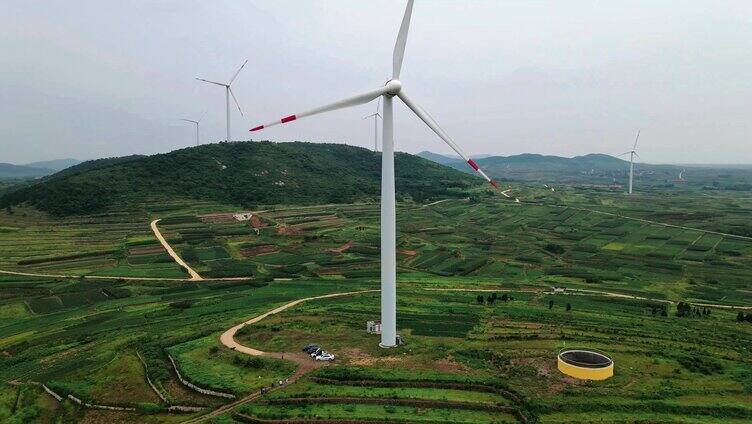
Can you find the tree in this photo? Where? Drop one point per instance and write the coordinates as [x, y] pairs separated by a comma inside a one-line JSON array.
[[749, 317], [664, 311], [740, 316], [9, 209], [479, 299], [569, 307], [504, 297], [683, 309], [550, 304]]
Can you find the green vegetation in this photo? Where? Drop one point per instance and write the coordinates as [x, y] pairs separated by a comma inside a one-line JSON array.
[[641, 291], [296, 172]]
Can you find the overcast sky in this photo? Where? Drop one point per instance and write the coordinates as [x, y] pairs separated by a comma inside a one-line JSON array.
[[91, 78]]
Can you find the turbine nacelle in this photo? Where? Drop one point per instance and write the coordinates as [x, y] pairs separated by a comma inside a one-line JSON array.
[[393, 87]]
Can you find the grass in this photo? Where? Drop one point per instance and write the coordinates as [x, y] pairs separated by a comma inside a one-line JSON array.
[[79, 334], [221, 370]]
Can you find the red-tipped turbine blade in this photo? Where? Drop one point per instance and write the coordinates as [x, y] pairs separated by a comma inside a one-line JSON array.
[[350, 101], [422, 114]]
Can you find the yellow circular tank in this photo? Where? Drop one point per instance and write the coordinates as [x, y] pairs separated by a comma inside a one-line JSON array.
[[585, 364]]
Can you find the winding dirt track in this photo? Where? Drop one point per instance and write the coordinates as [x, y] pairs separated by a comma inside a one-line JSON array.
[[194, 275], [584, 292], [305, 363]]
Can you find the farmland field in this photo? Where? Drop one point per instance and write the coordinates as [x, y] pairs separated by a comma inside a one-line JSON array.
[[94, 307]]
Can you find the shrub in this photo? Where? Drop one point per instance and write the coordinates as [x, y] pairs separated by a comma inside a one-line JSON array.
[[554, 248], [147, 408]]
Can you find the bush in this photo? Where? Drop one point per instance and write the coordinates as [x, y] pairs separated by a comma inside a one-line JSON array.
[[554, 248], [701, 364], [148, 408]]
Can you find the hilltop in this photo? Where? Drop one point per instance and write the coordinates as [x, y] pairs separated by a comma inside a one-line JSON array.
[[242, 173]]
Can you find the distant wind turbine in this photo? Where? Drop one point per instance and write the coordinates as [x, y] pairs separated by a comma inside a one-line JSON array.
[[194, 122], [393, 88], [228, 93], [375, 117], [632, 153]]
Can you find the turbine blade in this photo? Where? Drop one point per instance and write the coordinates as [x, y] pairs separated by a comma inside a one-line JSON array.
[[188, 120], [399, 46], [212, 82], [351, 101], [635, 141], [236, 73], [236, 100], [426, 117]]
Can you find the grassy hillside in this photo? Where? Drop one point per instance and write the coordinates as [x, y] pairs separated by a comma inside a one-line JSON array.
[[246, 174]]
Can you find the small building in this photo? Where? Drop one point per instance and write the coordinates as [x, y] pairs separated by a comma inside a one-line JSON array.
[[373, 327], [243, 216]]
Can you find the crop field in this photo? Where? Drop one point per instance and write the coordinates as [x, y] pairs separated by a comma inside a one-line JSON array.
[[98, 310]]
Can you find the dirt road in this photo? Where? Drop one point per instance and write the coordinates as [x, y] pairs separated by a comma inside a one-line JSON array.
[[194, 275], [582, 292], [304, 362]]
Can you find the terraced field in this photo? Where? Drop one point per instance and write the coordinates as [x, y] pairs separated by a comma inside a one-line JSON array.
[[128, 343]]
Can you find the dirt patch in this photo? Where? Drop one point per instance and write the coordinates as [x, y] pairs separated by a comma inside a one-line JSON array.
[[218, 218], [287, 231], [409, 252], [366, 360], [259, 250], [547, 370], [344, 248], [450, 365], [256, 222], [145, 250]]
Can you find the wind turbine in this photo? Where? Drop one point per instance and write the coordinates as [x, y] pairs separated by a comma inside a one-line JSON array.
[[375, 117], [194, 122], [228, 93], [393, 88], [632, 154]]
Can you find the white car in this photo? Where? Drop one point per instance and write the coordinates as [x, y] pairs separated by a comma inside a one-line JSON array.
[[324, 356]]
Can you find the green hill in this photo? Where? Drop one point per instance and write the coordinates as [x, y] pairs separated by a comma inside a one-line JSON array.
[[242, 173]]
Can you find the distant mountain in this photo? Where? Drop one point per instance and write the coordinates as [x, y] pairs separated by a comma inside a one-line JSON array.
[[35, 169], [439, 158], [246, 174], [55, 165], [11, 171], [593, 168]]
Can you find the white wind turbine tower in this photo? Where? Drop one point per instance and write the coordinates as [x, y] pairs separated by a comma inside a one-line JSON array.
[[375, 117], [196, 123], [228, 93], [632, 153], [393, 88]]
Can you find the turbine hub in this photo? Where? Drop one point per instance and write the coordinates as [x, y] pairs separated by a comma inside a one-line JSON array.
[[394, 87]]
